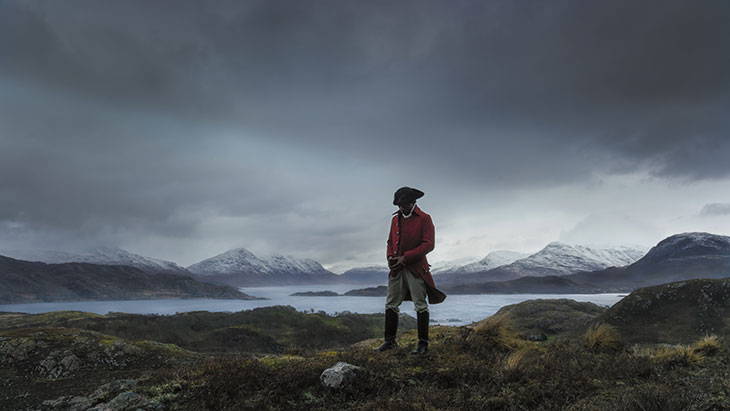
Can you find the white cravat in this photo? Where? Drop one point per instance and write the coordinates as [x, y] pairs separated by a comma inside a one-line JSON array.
[[410, 212]]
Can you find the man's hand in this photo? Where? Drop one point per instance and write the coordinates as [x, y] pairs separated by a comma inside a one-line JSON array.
[[396, 263]]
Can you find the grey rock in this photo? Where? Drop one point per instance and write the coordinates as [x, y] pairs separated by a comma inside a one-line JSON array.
[[15, 350], [117, 355], [68, 402], [104, 392], [537, 337], [338, 375], [59, 365], [128, 401]]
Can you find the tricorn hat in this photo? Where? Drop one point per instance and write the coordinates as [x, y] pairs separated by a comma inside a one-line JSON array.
[[405, 195]]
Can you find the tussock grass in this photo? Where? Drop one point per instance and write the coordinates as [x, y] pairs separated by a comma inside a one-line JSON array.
[[491, 335], [678, 356], [602, 338], [687, 356], [520, 359], [708, 345]]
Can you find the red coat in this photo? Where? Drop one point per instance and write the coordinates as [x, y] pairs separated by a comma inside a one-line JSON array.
[[413, 238]]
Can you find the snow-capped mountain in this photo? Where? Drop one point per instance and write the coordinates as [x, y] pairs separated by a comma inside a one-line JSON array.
[[240, 267], [493, 260], [446, 266], [561, 259], [99, 255], [241, 260], [555, 259]]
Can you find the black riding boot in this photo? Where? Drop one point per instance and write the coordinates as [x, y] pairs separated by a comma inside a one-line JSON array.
[[391, 327], [422, 348]]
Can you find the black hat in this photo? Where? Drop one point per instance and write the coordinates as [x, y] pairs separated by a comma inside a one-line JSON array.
[[405, 195]]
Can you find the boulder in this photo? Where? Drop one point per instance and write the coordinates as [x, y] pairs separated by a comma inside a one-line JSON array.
[[338, 375]]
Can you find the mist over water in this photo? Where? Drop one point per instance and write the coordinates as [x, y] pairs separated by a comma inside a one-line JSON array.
[[456, 310]]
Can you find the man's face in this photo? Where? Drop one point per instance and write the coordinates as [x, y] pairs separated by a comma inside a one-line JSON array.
[[406, 208]]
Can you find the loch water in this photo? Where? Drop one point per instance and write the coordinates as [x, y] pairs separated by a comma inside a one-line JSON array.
[[456, 310]]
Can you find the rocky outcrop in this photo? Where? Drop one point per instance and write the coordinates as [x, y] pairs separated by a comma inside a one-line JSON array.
[[13, 350], [118, 396], [59, 365]]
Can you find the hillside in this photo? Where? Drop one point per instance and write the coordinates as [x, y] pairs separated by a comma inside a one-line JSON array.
[[544, 318], [25, 282], [76, 360], [71, 360], [678, 257], [674, 313], [261, 330], [98, 255]]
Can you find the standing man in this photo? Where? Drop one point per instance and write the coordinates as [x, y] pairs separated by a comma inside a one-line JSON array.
[[411, 238]]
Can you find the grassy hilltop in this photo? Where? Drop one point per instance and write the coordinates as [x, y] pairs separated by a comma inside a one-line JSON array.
[[272, 358]]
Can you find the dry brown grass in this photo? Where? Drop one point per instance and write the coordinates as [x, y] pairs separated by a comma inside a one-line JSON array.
[[709, 345], [517, 360], [602, 338], [678, 356], [494, 334]]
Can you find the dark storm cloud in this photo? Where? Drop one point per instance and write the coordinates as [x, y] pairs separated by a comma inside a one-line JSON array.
[[647, 81], [128, 113]]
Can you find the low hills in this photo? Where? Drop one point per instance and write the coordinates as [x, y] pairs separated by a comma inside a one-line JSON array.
[[526, 285], [543, 318], [27, 282], [261, 330], [98, 255]]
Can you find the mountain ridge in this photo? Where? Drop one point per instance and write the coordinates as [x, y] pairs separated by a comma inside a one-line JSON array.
[[678, 257], [27, 282], [98, 255]]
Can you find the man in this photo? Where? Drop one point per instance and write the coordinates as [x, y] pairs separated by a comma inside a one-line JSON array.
[[411, 238]]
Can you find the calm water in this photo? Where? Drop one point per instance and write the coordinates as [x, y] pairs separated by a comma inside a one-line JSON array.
[[456, 310]]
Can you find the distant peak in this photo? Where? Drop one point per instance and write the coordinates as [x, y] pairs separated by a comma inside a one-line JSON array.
[[697, 235], [239, 251], [688, 245], [558, 244], [696, 239]]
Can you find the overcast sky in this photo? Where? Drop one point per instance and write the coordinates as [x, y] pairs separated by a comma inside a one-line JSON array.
[[181, 129]]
